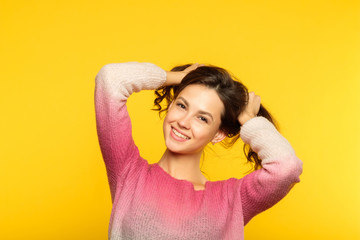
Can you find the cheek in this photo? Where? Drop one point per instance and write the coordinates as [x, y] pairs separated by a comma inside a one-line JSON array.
[[166, 122], [206, 132], [172, 115], [169, 118], [201, 132]]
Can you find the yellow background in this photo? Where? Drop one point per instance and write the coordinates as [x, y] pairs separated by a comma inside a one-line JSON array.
[[301, 57]]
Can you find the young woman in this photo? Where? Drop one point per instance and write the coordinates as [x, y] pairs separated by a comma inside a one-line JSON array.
[[171, 199]]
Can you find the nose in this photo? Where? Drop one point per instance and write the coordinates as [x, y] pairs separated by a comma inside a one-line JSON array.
[[184, 122]]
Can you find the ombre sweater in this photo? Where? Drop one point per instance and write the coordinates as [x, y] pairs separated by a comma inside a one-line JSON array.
[[148, 203]]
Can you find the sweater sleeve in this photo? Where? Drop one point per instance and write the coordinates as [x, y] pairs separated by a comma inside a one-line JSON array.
[[114, 83], [280, 170]]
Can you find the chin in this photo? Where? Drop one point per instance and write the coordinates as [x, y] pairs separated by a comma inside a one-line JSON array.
[[187, 148], [172, 147]]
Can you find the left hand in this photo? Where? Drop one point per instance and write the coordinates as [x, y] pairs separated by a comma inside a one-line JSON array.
[[251, 110], [174, 78]]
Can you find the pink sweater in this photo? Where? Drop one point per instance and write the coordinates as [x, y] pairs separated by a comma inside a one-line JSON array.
[[148, 203]]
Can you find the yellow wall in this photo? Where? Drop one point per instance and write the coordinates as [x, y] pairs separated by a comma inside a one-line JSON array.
[[301, 57]]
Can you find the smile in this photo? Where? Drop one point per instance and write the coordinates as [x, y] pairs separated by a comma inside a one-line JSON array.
[[179, 134]]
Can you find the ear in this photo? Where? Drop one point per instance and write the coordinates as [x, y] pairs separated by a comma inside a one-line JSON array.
[[219, 136]]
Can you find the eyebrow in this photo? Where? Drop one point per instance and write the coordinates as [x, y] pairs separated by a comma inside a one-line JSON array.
[[201, 111]]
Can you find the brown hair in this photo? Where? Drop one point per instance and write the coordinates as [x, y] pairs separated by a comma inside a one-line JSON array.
[[232, 93]]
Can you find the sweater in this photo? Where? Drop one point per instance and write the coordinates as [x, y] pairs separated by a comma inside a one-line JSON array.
[[148, 203]]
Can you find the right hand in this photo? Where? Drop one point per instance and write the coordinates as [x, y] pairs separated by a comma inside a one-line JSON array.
[[174, 78], [251, 110]]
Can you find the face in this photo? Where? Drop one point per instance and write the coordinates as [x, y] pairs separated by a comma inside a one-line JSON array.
[[193, 120]]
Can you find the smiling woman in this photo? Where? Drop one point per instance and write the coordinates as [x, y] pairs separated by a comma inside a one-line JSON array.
[[171, 199], [192, 116], [229, 92]]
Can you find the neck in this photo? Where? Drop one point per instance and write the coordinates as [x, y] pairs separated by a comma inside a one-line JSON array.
[[183, 166]]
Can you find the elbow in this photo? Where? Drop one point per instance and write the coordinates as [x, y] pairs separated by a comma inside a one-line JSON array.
[[103, 74], [110, 78], [113, 80], [104, 84], [291, 169], [114, 73], [295, 169]]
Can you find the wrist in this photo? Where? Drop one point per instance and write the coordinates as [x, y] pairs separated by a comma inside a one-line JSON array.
[[244, 119], [173, 78]]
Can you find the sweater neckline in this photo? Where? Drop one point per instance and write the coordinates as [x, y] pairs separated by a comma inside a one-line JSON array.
[[183, 181]]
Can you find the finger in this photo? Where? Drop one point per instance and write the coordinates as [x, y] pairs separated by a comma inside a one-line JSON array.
[[254, 97], [251, 98], [253, 104], [194, 66], [257, 104], [190, 68]]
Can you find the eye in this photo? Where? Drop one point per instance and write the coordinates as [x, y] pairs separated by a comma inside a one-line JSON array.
[[203, 119], [180, 105]]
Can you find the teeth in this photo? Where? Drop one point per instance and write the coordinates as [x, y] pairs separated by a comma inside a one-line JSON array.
[[179, 134]]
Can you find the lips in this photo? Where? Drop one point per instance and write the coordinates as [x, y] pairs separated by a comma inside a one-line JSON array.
[[178, 135]]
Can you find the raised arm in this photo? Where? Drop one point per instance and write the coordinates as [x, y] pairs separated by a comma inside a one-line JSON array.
[[280, 167], [114, 83]]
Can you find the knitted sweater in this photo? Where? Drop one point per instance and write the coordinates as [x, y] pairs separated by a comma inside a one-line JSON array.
[[148, 203]]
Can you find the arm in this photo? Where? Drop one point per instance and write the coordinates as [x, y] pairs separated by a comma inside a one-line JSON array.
[[114, 83], [281, 168]]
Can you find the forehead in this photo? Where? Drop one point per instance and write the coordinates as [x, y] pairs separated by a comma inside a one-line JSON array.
[[202, 98]]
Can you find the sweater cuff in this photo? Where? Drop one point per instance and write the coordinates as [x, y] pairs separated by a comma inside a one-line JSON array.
[[264, 139]]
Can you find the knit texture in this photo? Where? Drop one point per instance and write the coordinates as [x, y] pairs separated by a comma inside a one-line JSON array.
[[148, 203]]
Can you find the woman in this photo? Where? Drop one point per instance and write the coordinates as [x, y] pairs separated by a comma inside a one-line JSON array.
[[171, 199]]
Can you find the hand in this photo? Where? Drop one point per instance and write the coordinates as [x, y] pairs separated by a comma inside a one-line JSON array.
[[251, 110], [174, 78]]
